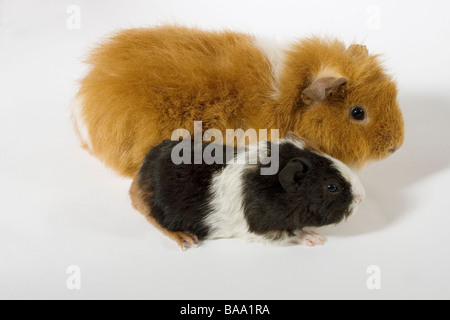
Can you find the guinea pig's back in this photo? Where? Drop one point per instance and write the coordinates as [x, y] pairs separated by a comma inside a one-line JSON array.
[[145, 83]]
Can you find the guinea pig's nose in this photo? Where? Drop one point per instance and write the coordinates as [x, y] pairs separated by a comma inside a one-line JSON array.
[[359, 199]]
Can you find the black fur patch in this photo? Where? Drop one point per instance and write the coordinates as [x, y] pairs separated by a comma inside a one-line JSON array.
[[269, 207], [179, 194]]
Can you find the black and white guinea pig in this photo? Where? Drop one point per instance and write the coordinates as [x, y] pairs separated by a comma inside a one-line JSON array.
[[191, 202]]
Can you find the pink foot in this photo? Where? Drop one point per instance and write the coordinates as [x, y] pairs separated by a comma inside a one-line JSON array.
[[311, 238]]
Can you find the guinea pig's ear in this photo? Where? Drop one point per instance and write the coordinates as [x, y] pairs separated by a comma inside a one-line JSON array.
[[320, 88], [358, 50], [292, 174]]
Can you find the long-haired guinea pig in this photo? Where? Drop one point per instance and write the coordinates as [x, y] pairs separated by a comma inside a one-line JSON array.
[[190, 201], [145, 83]]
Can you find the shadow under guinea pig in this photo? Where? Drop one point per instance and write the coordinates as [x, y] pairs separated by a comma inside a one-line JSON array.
[[426, 151]]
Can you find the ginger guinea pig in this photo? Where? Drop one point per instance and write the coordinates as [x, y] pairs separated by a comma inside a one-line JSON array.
[[145, 83], [222, 199]]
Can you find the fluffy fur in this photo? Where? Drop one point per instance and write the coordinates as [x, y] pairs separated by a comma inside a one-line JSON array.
[[201, 201], [145, 83]]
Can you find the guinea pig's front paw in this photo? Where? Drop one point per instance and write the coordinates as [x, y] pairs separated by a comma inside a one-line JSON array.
[[185, 240], [310, 238]]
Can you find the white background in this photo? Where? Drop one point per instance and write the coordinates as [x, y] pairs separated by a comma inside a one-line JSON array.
[[60, 207]]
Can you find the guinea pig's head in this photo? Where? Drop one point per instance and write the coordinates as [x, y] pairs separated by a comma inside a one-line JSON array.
[[345, 102], [320, 190]]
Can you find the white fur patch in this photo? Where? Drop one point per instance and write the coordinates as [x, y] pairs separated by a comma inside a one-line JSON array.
[[79, 123], [275, 53], [227, 219], [358, 191]]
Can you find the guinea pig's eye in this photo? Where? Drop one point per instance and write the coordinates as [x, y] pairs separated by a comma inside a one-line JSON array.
[[358, 113], [332, 188]]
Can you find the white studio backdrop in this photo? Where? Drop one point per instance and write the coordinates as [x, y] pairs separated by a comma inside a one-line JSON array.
[[67, 227]]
